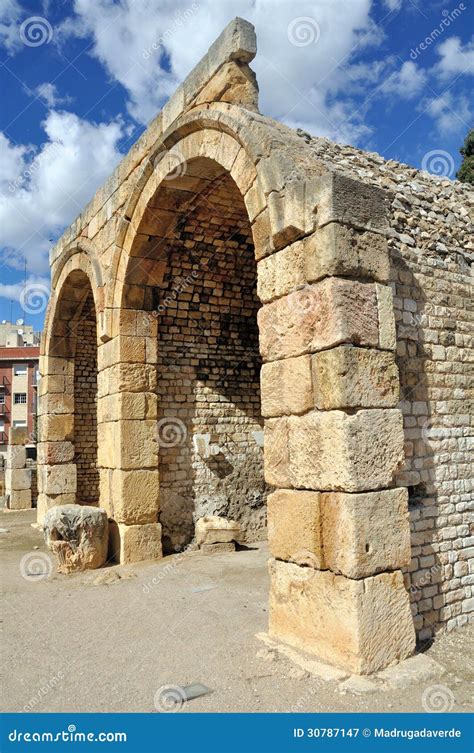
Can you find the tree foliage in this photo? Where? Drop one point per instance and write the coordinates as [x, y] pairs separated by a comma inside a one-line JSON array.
[[466, 171]]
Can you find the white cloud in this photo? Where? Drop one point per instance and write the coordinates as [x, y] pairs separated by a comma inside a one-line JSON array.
[[42, 191], [49, 94], [298, 83], [451, 114], [393, 4], [456, 58], [406, 83], [14, 291], [10, 13]]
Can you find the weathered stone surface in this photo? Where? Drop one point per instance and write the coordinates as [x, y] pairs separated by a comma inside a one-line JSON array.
[[342, 199], [137, 543], [337, 249], [219, 548], [17, 479], [294, 527], [286, 387], [366, 533], [359, 625], [16, 456], [354, 452], [348, 377], [58, 479], [277, 469], [134, 496], [281, 273], [19, 499], [319, 316], [214, 529], [387, 335], [78, 535], [51, 453]]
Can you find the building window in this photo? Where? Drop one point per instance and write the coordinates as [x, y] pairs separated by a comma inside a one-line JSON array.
[[19, 398], [2, 426], [2, 398], [20, 369], [20, 424]]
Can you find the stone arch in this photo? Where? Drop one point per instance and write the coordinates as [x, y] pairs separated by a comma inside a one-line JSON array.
[[67, 448], [206, 166]]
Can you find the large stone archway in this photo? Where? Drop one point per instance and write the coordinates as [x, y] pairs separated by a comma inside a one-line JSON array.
[[338, 530]]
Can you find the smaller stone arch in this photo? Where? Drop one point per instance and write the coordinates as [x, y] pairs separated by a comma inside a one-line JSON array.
[[67, 425]]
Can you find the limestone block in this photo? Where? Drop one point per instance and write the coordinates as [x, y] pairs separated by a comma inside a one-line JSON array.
[[78, 535], [332, 450], [121, 349], [58, 479], [221, 548], [336, 249], [234, 83], [16, 456], [56, 428], [17, 479], [276, 455], [319, 316], [286, 386], [366, 533], [214, 529], [134, 496], [17, 435], [138, 542], [281, 273], [294, 527], [20, 499], [55, 404], [349, 377], [359, 625], [342, 199], [387, 333], [129, 377], [262, 237], [53, 453]]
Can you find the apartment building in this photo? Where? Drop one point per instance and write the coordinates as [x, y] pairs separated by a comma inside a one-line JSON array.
[[18, 387]]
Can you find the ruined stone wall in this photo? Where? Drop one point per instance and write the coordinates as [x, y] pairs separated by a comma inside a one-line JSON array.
[[431, 252], [208, 371], [85, 405]]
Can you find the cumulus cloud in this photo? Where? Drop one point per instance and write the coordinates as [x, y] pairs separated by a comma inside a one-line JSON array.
[[10, 12], [407, 82], [16, 291], [456, 58], [43, 190], [48, 93], [306, 52], [452, 114]]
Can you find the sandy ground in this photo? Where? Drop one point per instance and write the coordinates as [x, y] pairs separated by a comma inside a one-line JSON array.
[[108, 640]]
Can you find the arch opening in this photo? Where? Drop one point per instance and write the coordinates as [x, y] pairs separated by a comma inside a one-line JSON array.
[[73, 351], [210, 428]]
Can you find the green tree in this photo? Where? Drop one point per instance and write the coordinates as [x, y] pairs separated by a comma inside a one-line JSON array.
[[466, 171]]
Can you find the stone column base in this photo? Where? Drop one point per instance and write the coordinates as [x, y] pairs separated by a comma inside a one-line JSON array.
[[359, 625], [135, 543]]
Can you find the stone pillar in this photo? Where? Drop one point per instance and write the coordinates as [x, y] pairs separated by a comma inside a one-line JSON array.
[[338, 530], [55, 450], [128, 437], [17, 475]]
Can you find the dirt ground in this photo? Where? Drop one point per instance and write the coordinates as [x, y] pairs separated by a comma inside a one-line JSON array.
[[109, 640]]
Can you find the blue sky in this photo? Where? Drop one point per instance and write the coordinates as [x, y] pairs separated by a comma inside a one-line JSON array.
[[80, 81]]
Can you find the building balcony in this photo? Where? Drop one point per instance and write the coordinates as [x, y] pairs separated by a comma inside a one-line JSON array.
[[3, 409], [3, 437]]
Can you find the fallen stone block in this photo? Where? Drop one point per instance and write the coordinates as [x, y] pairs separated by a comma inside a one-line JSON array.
[[213, 529], [78, 535], [222, 548]]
